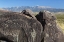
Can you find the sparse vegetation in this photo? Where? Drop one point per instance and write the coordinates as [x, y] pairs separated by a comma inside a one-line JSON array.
[[60, 20]]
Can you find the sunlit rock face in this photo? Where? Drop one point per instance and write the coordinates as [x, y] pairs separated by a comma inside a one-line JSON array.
[[52, 32], [17, 27]]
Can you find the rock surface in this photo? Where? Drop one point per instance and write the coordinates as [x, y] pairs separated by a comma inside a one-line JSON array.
[[19, 28], [29, 13], [52, 32], [24, 27]]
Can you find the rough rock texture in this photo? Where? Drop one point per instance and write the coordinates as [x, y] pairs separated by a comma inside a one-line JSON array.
[[24, 27], [29, 13], [52, 32], [19, 28]]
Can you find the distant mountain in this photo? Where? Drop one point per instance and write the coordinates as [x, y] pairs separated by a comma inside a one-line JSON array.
[[34, 8]]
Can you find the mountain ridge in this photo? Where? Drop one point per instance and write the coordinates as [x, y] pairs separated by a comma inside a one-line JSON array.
[[34, 8]]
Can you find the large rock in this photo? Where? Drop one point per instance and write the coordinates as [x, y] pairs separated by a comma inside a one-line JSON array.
[[15, 27], [24, 27], [52, 31]]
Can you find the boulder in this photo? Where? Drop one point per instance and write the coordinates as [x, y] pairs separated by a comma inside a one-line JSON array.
[[24, 27], [52, 32], [19, 28]]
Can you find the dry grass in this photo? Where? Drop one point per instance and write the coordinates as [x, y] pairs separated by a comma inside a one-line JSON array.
[[61, 25], [60, 20]]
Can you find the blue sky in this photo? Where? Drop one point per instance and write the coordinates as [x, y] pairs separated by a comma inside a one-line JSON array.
[[50, 3]]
